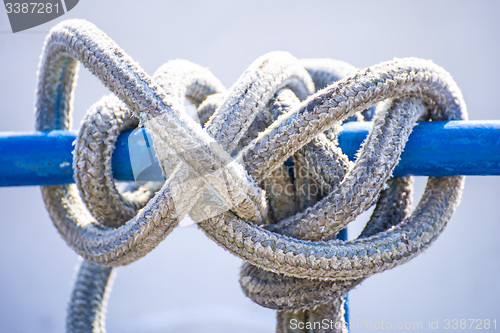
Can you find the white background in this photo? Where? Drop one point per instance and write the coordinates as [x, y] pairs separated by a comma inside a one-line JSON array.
[[190, 284]]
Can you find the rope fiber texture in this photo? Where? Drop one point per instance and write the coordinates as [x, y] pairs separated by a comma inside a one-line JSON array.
[[264, 177]]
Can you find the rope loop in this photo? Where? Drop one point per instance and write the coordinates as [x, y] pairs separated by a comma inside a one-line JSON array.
[[264, 177]]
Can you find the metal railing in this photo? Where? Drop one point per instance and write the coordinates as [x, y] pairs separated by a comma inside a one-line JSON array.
[[439, 148]]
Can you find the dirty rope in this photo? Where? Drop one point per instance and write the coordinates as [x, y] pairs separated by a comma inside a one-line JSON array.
[[264, 177]]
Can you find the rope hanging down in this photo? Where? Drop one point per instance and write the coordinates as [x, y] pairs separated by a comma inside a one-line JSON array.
[[226, 175]]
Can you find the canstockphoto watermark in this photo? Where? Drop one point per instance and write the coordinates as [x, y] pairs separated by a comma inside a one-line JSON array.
[[325, 324], [451, 324], [197, 188], [200, 188], [447, 324], [26, 14]]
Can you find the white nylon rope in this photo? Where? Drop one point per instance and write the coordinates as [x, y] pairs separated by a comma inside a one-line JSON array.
[[272, 113]]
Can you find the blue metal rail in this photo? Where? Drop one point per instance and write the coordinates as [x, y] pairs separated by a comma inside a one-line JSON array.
[[434, 149]]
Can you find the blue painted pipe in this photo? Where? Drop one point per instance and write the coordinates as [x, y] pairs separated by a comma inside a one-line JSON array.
[[434, 149]]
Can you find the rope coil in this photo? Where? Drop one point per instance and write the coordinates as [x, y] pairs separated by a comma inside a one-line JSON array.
[[279, 109]]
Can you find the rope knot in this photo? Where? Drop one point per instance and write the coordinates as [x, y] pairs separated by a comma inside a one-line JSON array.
[[264, 177]]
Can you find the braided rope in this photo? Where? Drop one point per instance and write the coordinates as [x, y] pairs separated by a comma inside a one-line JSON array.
[[294, 263]]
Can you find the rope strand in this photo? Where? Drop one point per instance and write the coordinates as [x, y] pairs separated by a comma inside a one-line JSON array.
[[280, 110]]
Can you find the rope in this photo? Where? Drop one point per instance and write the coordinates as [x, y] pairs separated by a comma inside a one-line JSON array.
[[225, 175]]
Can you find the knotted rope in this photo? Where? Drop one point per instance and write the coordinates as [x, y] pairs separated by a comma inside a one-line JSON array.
[[279, 109]]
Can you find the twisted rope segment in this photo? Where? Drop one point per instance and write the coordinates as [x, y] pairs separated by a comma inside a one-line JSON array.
[[272, 113]]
